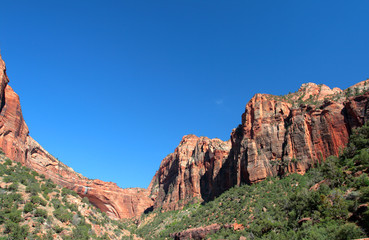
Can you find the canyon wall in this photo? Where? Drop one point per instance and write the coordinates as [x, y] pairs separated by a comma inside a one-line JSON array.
[[277, 135], [185, 175], [19, 146]]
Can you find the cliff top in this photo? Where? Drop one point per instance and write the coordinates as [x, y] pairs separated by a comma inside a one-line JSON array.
[[316, 94]]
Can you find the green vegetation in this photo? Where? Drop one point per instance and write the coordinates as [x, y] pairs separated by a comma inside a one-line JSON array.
[[33, 207], [329, 202], [299, 97], [63, 214]]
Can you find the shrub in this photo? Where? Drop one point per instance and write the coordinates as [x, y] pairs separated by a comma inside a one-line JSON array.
[[8, 162], [33, 188], [41, 213], [38, 200], [58, 229], [13, 187], [28, 207], [14, 216], [15, 197], [81, 232], [63, 215], [66, 191], [72, 207], [15, 231], [56, 202]]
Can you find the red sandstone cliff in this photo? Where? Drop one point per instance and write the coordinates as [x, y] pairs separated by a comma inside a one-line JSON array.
[[19, 146], [188, 173], [278, 134]]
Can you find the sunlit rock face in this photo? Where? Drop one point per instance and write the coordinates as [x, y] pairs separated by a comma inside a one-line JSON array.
[[277, 135], [19, 146], [185, 175]]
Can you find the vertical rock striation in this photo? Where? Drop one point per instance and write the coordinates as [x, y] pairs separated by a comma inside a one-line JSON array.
[[187, 174], [278, 134]]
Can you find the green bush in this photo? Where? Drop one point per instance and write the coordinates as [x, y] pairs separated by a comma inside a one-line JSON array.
[[66, 191], [14, 216], [58, 229], [81, 232], [13, 187], [72, 207], [56, 203], [7, 162], [41, 213], [15, 231], [38, 200], [62, 214], [28, 207], [33, 188]]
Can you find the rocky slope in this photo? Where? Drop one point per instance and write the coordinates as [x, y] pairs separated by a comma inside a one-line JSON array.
[[19, 146], [278, 134], [32, 207]]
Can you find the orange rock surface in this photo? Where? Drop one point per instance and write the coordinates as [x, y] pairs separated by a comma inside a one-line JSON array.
[[277, 135], [185, 175], [19, 146]]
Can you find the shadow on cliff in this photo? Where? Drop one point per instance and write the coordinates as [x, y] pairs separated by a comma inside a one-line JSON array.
[[170, 180], [233, 171]]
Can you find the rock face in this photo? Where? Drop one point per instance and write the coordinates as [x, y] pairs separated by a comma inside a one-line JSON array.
[[278, 134], [187, 174], [197, 233], [291, 133], [19, 146]]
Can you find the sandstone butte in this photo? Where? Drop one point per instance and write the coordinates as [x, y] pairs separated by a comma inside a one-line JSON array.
[[278, 134]]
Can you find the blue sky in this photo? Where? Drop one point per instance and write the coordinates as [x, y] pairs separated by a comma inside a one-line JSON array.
[[110, 87]]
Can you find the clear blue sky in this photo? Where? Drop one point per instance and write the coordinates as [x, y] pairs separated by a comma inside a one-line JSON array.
[[110, 87]]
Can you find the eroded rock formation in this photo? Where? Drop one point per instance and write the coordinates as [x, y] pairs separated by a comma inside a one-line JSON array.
[[19, 146], [278, 134], [186, 175]]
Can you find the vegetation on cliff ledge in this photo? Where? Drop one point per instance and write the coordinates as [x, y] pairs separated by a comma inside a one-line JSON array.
[[329, 202], [32, 207]]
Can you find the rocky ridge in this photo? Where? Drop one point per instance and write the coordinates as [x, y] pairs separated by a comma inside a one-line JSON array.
[[32, 207]]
